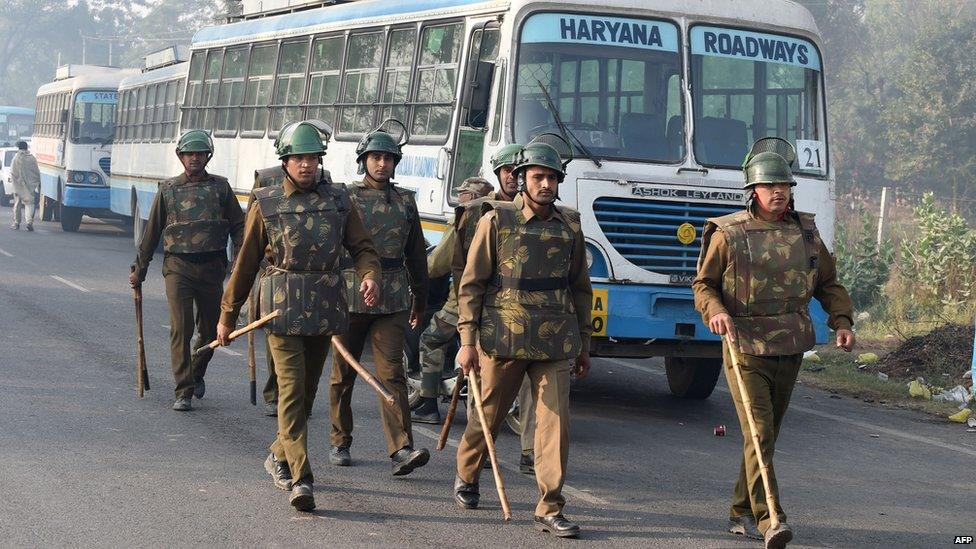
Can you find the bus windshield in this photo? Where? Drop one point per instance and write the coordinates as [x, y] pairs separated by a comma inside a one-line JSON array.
[[615, 83], [93, 117], [747, 85]]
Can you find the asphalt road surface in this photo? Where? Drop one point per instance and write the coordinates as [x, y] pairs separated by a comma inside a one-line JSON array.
[[86, 462]]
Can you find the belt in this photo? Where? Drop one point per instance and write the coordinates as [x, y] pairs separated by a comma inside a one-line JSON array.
[[531, 284], [201, 257], [391, 263]]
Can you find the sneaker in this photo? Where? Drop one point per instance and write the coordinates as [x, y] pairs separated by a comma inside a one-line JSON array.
[[271, 409], [30, 227], [427, 412], [279, 472], [339, 455], [182, 405], [406, 459], [199, 388], [778, 538], [527, 464], [301, 495], [744, 525]]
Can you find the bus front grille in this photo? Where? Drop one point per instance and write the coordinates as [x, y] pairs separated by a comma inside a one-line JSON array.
[[105, 163], [645, 232]]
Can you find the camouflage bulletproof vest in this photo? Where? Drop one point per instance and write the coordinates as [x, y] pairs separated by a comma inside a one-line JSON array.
[[528, 310], [194, 215], [769, 282], [388, 215], [306, 231]]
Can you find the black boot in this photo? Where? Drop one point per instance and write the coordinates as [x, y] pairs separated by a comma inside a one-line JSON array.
[[466, 495], [557, 525], [301, 495], [406, 459], [279, 472], [427, 412]]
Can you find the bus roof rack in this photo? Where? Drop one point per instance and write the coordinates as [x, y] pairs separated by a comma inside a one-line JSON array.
[[70, 71], [254, 9], [165, 57]]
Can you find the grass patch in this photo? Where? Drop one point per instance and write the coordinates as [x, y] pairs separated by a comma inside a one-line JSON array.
[[840, 375]]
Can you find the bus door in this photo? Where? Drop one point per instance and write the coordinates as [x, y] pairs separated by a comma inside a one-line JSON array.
[[469, 142]]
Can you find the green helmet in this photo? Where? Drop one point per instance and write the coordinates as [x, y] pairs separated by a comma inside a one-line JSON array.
[[505, 156], [299, 138], [378, 141], [195, 141], [540, 154], [767, 167]]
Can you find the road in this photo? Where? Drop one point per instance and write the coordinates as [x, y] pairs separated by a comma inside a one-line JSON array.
[[86, 462]]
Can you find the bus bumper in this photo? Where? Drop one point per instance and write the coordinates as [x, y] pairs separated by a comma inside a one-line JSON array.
[[643, 321], [86, 197]]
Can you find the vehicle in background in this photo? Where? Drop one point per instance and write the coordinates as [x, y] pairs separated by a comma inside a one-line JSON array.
[[73, 133], [7, 189], [16, 124], [147, 129], [660, 100]]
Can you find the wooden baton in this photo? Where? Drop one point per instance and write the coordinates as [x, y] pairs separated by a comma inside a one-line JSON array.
[[747, 405], [475, 393], [363, 372], [252, 313], [449, 418], [142, 374], [239, 332]]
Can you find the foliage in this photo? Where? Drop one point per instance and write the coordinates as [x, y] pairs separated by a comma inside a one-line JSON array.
[[862, 267]]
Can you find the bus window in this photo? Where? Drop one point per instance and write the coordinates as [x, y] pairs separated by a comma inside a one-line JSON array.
[[215, 61], [231, 91], [361, 82], [158, 111], [396, 76], [169, 120], [289, 84], [481, 64], [748, 85], [496, 122], [94, 117], [324, 80], [145, 129], [194, 91], [614, 95], [258, 91], [440, 50]]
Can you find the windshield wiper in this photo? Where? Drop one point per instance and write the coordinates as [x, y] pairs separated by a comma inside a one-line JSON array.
[[564, 130]]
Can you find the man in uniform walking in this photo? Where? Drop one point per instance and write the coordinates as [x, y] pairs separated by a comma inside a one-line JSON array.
[[27, 180], [391, 216], [757, 272], [266, 177], [193, 213], [298, 227], [441, 333], [524, 298]]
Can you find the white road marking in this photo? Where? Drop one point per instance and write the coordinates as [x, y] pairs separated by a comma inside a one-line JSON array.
[[227, 351], [70, 284], [6, 253], [513, 468], [827, 415]]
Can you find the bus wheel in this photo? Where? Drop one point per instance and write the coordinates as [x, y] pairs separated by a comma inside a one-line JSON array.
[[138, 225], [45, 209], [70, 218], [692, 378]]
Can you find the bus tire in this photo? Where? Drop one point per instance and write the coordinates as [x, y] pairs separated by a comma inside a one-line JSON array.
[[44, 208], [692, 378], [138, 225], [70, 219]]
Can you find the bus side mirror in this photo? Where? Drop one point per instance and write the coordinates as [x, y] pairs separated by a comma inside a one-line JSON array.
[[64, 115], [477, 95]]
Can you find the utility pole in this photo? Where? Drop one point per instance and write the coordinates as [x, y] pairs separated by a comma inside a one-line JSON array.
[[881, 215]]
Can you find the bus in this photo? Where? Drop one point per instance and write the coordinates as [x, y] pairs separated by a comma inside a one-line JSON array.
[[145, 137], [73, 133], [660, 100], [16, 124]]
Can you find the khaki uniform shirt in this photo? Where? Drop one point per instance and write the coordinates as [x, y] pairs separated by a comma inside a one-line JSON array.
[[256, 247], [828, 291], [480, 269], [157, 222]]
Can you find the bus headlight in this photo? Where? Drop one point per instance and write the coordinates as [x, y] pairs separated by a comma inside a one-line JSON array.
[[77, 177], [596, 262], [93, 178]]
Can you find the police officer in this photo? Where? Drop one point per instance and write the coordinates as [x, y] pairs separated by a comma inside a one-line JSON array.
[[298, 227], [524, 298], [266, 177], [441, 333], [193, 213], [757, 272], [391, 216]]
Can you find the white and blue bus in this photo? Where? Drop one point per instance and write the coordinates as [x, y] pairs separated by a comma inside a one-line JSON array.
[[16, 124], [73, 133], [661, 101]]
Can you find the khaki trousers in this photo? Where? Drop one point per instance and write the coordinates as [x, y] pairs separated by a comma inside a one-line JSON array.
[[386, 333], [769, 381], [298, 364], [526, 416], [270, 386], [189, 284], [500, 382], [438, 339]]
